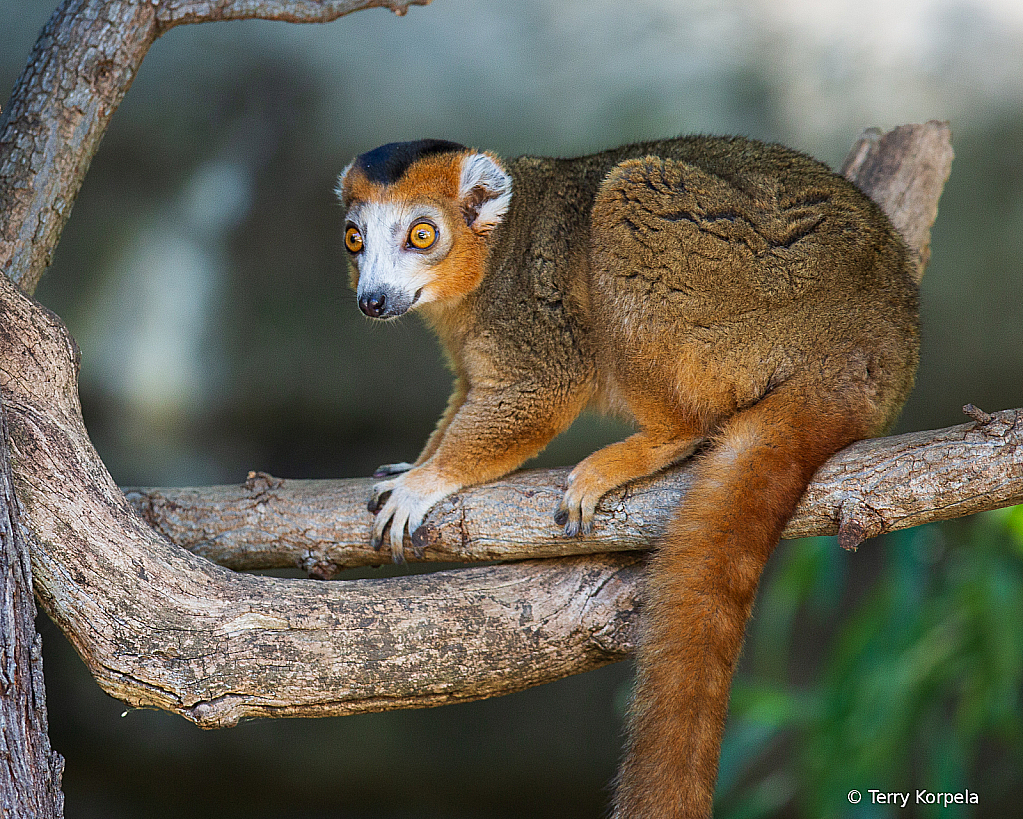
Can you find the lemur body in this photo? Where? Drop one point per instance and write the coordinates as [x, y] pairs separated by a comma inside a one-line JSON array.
[[723, 293]]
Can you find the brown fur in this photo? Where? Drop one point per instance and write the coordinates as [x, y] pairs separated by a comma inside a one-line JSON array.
[[720, 291]]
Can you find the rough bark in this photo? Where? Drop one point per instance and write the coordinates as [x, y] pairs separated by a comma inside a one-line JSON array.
[[160, 626], [907, 191], [30, 771], [322, 527]]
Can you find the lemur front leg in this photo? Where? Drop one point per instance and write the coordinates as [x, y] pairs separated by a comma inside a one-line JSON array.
[[492, 432]]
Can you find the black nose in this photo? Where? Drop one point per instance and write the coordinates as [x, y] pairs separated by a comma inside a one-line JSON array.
[[373, 305]]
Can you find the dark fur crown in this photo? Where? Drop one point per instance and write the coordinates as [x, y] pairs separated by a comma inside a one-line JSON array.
[[387, 164]]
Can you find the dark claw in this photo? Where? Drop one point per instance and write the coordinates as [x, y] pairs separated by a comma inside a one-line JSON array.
[[572, 529], [420, 540], [376, 542], [376, 502]]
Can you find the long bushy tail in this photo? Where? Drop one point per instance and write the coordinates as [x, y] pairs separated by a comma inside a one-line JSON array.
[[700, 591]]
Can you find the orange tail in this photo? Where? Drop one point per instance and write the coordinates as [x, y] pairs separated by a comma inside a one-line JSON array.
[[700, 591]]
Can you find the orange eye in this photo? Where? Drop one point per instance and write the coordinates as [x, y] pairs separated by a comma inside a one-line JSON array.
[[353, 239], [422, 235]]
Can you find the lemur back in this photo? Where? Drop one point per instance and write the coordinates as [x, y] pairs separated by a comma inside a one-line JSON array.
[[734, 299]]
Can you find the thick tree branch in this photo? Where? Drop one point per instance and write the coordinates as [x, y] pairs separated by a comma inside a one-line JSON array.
[[160, 626], [79, 71], [322, 527]]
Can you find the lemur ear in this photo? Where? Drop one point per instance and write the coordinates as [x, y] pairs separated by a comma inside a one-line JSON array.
[[339, 188], [484, 192]]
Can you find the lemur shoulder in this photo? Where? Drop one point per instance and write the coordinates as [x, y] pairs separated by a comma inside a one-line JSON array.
[[728, 295]]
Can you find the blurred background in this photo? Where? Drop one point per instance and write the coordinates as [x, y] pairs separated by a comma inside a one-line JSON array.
[[202, 275]]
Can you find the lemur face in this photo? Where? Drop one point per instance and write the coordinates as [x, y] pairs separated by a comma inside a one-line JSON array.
[[419, 218]]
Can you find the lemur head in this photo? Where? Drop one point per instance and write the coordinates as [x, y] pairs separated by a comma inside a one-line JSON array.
[[419, 221]]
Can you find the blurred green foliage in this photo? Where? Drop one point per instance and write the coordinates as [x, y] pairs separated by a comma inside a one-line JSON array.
[[919, 687]]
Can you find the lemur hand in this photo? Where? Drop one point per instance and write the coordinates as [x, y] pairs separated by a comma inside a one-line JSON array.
[[403, 502]]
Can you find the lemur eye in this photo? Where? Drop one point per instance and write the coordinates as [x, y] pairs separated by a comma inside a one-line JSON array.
[[353, 239], [422, 235]]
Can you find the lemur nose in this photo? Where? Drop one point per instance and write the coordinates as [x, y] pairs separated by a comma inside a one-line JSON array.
[[373, 305]]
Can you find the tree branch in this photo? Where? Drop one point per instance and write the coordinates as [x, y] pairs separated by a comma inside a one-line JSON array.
[[908, 191], [176, 12], [159, 626], [323, 527], [77, 74]]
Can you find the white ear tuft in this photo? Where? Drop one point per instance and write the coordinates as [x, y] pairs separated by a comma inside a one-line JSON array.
[[484, 192], [339, 188]]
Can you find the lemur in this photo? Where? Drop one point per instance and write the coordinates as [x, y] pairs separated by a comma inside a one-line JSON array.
[[739, 301]]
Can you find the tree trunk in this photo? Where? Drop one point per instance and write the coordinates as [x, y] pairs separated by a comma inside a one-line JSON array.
[[30, 774], [160, 626], [77, 74]]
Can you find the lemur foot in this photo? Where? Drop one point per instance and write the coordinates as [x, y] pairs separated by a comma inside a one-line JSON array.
[[586, 487]]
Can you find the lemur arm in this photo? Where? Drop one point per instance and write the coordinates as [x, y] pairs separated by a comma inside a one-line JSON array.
[[493, 431]]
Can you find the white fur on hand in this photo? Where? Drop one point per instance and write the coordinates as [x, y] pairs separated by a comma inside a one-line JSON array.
[[404, 509]]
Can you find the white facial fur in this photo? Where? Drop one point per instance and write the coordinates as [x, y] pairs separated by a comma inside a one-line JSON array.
[[393, 276], [386, 264]]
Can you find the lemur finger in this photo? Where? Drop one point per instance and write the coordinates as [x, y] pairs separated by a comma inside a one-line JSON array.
[[397, 536], [568, 516], [388, 515], [385, 470], [576, 511], [376, 538], [381, 493]]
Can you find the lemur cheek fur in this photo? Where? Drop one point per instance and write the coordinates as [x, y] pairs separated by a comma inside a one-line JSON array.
[[739, 300]]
